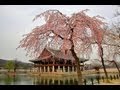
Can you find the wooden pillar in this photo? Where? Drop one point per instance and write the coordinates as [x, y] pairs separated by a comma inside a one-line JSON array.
[[83, 66], [48, 69], [34, 68], [63, 68], [68, 69], [53, 68], [75, 68], [58, 68], [44, 69], [72, 68], [40, 69]]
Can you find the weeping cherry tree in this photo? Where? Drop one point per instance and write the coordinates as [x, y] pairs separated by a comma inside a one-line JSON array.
[[75, 33]]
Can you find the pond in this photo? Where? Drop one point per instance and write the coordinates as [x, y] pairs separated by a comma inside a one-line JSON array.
[[25, 79]]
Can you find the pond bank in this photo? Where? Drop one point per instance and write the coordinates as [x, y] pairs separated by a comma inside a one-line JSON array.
[[85, 72], [27, 79]]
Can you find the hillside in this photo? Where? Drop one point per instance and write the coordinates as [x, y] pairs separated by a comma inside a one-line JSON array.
[[18, 63]]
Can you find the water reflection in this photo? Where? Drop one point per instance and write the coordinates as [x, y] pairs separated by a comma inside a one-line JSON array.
[[55, 80], [10, 78], [6, 79], [26, 79], [37, 80]]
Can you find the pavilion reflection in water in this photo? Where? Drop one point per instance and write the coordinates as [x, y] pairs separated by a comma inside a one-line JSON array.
[[55, 81]]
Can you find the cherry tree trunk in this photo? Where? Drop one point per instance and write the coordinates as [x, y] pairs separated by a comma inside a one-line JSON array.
[[101, 56], [79, 73]]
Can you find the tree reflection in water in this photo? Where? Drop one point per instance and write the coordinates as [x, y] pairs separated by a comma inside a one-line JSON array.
[[10, 79]]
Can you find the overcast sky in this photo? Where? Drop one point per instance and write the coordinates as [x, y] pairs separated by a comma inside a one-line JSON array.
[[16, 20]]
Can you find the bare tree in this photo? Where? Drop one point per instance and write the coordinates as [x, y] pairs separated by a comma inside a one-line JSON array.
[[112, 41], [115, 63]]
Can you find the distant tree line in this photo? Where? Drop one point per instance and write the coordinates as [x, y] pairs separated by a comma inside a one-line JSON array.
[[14, 64]]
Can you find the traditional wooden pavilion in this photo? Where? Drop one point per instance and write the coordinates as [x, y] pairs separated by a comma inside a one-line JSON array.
[[55, 61]]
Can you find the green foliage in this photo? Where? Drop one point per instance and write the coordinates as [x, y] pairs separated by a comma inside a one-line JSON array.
[[10, 65]]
